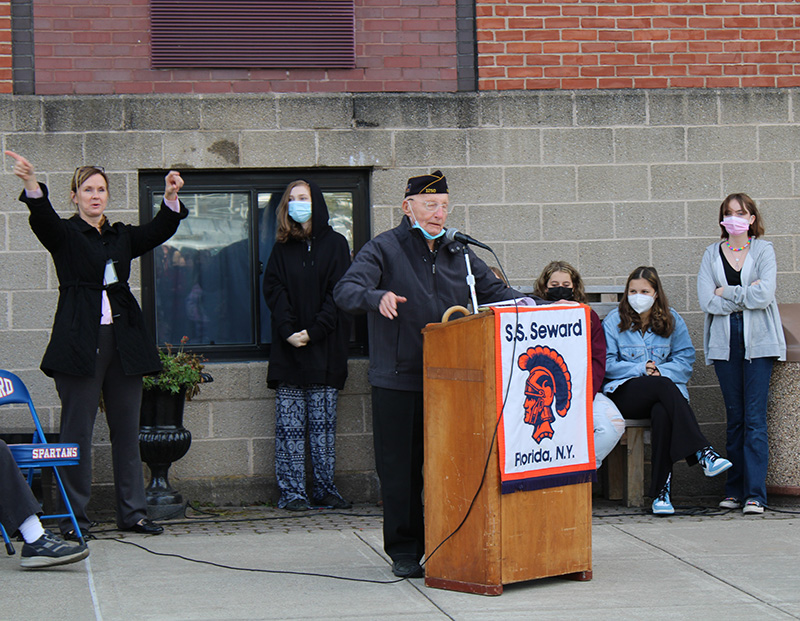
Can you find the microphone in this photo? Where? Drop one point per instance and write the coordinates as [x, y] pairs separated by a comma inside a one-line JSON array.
[[456, 235]]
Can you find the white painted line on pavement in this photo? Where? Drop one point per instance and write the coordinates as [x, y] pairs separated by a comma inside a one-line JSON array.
[[92, 591]]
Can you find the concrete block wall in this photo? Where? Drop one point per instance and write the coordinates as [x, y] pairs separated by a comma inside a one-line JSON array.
[[606, 180], [554, 44], [401, 45]]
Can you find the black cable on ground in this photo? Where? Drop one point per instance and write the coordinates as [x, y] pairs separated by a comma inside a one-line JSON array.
[[256, 570]]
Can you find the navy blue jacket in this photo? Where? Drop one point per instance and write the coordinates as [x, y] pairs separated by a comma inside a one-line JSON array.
[[400, 261]]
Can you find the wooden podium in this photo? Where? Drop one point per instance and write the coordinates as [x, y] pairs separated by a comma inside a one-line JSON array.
[[507, 537]]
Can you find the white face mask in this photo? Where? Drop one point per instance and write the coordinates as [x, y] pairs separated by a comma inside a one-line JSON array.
[[641, 302]]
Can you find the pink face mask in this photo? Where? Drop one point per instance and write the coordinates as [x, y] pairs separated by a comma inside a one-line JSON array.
[[735, 225]]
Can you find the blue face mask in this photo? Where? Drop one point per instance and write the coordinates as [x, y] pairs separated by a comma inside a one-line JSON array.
[[300, 211], [425, 233]]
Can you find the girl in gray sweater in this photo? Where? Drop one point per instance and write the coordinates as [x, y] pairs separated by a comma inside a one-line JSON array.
[[742, 337]]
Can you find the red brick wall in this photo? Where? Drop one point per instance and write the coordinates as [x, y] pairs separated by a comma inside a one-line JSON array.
[[103, 47], [6, 84], [567, 44]]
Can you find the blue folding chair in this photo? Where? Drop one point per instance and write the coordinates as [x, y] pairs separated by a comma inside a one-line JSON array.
[[40, 453]]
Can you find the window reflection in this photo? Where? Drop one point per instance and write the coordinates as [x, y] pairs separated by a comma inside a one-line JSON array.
[[203, 274], [207, 285]]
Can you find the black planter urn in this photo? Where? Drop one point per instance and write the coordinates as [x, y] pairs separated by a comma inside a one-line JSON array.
[[162, 441]]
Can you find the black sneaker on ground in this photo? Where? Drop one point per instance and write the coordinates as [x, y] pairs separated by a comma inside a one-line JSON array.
[[333, 501], [407, 568], [50, 550], [71, 536], [298, 504]]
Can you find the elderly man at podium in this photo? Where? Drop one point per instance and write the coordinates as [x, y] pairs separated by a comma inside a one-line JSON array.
[[404, 279]]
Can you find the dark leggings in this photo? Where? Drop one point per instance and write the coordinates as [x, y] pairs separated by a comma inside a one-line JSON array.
[[675, 432]]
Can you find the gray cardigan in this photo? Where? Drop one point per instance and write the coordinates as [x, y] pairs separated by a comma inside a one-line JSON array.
[[763, 331]]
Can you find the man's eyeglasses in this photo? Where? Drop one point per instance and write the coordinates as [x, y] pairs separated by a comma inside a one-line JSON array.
[[432, 206]]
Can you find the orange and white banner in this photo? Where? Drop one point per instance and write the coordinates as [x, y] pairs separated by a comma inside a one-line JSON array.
[[544, 398]]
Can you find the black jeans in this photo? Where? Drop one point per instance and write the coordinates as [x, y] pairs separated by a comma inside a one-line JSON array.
[[675, 432], [398, 436]]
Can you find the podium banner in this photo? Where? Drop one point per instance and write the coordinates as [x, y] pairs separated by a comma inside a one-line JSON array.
[[544, 397]]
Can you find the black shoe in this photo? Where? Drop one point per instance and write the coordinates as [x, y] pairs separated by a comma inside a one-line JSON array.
[[332, 501], [407, 568], [71, 536], [50, 550], [298, 504], [145, 527]]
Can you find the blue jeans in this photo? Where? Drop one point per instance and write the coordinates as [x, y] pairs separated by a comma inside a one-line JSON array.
[[745, 388]]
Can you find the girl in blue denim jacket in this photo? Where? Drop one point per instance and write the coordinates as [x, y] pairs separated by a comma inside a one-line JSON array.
[[649, 357]]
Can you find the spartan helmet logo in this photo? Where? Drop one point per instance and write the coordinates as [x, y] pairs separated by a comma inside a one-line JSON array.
[[548, 385]]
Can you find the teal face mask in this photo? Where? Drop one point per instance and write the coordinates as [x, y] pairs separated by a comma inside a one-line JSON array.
[[425, 233], [300, 211]]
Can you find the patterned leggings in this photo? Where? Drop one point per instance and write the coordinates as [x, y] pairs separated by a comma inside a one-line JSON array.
[[294, 405]]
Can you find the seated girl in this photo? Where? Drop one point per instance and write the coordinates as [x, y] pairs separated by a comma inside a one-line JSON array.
[[560, 281], [648, 363]]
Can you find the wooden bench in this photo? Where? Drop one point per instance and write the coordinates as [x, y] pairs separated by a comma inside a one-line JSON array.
[[625, 464], [604, 298]]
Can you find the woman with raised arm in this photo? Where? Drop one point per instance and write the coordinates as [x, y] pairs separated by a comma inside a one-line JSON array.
[[99, 344]]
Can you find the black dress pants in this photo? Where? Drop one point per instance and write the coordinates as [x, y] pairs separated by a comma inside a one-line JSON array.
[[17, 502], [397, 433], [122, 395], [674, 429]]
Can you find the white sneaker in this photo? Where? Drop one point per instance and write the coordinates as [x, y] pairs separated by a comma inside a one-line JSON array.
[[662, 505], [730, 503], [752, 506], [711, 462]]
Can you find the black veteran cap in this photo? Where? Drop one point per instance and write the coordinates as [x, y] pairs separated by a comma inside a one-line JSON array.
[[435, 183]]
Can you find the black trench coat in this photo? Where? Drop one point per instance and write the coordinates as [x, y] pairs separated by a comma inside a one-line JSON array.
[[80, 253]]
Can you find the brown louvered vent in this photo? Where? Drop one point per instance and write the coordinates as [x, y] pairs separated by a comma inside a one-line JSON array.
[[252, 33]]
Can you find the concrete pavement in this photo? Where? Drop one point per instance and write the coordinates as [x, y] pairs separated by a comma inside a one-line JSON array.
[[700, 564]]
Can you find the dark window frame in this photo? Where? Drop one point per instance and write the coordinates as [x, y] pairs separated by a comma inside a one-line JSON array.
[[255, 181]]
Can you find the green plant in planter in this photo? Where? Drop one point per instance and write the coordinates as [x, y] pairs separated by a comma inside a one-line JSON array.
[[181, 369]]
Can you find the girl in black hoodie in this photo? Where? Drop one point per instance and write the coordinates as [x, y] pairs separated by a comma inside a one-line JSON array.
[[308, 359]]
